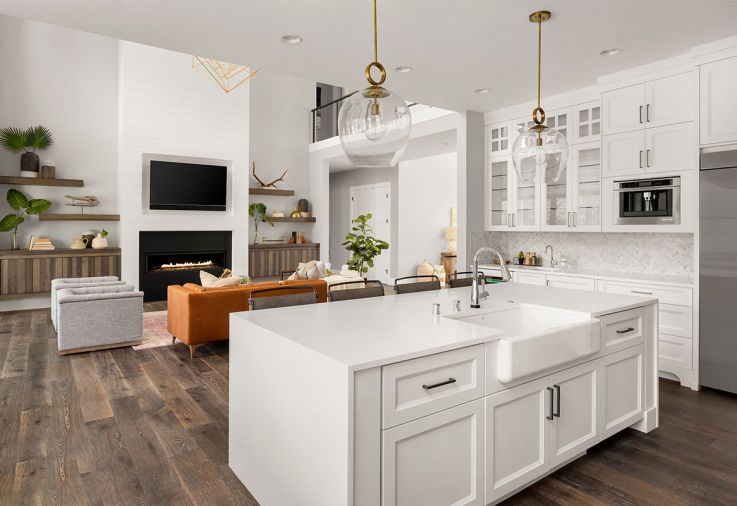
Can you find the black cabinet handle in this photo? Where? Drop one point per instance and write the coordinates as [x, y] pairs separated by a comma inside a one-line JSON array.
[[640, 115], [647, 113], [552, 414], [557, 401], [436, 385], [624, 331]]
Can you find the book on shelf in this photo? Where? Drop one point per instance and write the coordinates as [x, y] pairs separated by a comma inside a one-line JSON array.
[[40, 244]]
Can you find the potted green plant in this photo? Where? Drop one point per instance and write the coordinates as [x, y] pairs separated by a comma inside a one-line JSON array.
[[23, 206], [362, 244], [27, 142], [257, 211]]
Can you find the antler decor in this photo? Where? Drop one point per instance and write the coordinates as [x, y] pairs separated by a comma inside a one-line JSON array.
[[272, 184]]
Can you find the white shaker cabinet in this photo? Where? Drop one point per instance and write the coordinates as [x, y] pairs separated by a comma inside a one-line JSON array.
[[575, 411], [718, 101], [624, 389], [670, 100], [624, 109], [517, 434], [623, 154], [436, 460], [573, 282], [530, 278], [586, 123], [671, 148]]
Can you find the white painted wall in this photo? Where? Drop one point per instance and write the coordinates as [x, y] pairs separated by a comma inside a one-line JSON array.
[[427, 191], [67, 81], [280, 135], [166, 108]]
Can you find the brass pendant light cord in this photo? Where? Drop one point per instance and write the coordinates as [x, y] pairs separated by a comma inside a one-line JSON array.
[[376, 45], [539, 56]]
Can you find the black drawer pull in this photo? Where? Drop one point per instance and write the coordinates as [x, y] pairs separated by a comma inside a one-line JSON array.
[[624, 331], [436, 385], [552, 413], [641, 292]]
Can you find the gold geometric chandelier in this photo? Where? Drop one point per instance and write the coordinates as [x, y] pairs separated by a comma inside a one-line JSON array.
[[228, 75]]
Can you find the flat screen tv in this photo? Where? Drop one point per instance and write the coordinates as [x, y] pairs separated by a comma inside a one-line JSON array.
[[187, 186]]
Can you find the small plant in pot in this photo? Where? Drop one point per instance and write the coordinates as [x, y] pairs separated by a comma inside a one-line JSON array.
[[362, 244], [257, 211], [26, 142], [23, 206]]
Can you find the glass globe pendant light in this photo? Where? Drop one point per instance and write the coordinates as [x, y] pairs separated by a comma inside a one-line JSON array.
[[540, 150], [374, 124]]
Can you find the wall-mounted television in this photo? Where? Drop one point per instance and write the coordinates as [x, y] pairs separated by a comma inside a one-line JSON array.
[[187, 186]]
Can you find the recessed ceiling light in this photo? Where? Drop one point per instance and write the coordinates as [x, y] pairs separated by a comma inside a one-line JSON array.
[[291, 39], [404, 69], [610, 52], [482, 91]]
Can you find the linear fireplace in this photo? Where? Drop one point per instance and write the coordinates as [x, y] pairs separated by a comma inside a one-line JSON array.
[[175, 258]]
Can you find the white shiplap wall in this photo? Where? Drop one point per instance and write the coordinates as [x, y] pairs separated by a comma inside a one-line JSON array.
[[166, 108]]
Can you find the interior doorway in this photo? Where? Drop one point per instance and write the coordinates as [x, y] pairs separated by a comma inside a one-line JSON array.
[[376, 199]]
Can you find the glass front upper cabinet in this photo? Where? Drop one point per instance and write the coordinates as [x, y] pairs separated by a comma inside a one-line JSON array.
[[499, 193], [587, 185], [587, 118]]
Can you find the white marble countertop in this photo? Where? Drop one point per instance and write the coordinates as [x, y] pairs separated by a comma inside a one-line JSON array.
[[635, 277], [366, 333]]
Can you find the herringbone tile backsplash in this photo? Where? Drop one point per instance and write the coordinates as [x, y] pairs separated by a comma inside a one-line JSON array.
[[659, 253]]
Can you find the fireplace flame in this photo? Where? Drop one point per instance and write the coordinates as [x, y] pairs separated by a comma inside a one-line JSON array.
[[186, 265]]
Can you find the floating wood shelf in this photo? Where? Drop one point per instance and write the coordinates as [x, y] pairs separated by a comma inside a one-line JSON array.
[[37, 181], [285, 245], [266, 191], [79, 217], [283, 219]]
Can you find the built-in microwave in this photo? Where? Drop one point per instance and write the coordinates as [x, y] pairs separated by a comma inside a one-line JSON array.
[[655, 201]]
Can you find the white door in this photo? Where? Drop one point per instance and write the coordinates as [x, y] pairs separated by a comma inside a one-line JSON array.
[[669, 100], [671, 148], [718, 101], [624, 389], [575, 412], [375, 199], [517, 437], [437, 460], [624, 109], [623, 154]]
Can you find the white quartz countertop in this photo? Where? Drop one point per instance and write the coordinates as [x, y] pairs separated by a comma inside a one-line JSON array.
[[635, 277], [366, 333]]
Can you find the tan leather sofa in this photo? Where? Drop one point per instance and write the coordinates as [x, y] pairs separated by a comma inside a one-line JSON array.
[[199, 315]]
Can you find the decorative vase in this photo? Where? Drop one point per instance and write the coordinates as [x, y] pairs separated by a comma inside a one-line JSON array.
[[14, 241], [99, 242], [29, 163]]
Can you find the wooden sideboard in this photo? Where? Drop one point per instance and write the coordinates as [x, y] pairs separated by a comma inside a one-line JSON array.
[[269, 260], [26, 272]]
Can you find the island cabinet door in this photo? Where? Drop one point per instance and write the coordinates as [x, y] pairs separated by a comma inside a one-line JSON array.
[[517, 437], [624, 389], [437, 460], [575, 411]]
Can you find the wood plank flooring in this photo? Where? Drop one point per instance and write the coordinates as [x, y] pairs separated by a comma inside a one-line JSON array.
[[151, 427]]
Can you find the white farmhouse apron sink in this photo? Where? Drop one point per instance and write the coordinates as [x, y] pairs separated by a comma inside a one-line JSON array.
[[537, 338]]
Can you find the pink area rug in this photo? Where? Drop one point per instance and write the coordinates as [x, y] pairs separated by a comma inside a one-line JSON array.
[[154, 331]]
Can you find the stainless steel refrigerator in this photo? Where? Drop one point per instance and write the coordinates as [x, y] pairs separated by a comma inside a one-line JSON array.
[[718, 271]]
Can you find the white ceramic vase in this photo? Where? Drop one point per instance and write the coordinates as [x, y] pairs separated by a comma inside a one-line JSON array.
[[99, 242]]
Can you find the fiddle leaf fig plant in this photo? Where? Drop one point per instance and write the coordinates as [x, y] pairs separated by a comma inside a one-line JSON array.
[[257, 211], [362, 244], [23, 206]]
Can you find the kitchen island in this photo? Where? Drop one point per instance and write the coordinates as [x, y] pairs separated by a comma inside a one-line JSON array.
[[381, 402]]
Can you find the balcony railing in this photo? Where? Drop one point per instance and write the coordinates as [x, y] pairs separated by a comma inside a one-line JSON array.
[[325, 118]]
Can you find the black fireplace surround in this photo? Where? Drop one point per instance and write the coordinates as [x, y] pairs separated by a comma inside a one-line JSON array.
[[175, 258]]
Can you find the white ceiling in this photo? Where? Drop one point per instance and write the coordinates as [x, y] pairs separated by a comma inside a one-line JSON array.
[[453, 46]]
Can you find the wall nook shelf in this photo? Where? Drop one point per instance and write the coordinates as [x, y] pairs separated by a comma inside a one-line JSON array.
[[33, 181], [284, 219], [79, 217], [266, 191]]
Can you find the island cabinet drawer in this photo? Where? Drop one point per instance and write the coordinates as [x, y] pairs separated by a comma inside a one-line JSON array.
[[425, 385], [622, 330], [677, 295]]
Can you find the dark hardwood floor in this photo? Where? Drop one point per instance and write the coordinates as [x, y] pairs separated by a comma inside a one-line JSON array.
[[151, 427]]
